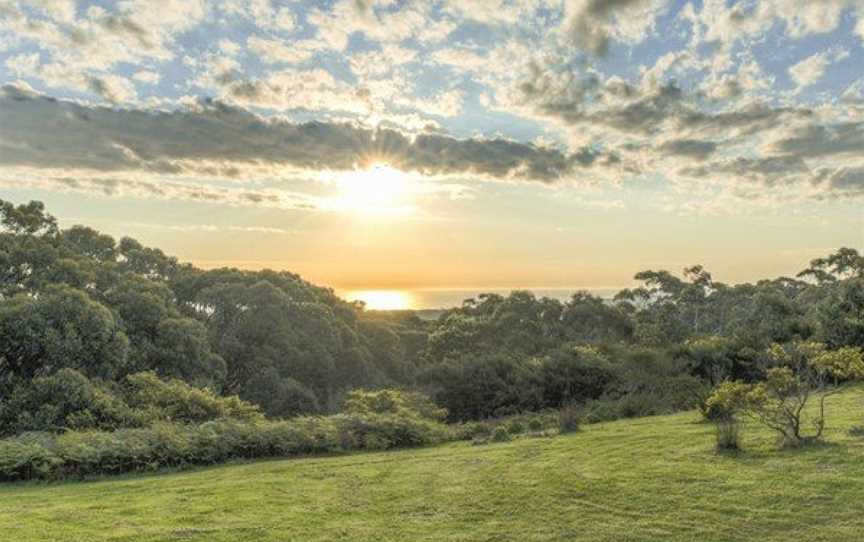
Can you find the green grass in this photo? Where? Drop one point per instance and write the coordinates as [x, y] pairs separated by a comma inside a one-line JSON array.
[[646, 479]]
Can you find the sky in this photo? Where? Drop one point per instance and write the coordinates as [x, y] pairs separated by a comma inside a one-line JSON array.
[[392, 144]]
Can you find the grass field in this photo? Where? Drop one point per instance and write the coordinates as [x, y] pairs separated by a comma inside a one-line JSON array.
[[645, 479]]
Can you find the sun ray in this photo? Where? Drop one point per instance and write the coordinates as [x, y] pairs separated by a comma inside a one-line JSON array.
[[377, 190]]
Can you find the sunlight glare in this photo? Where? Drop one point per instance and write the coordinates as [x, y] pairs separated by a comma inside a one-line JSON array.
[[382, 300], [380, 189]]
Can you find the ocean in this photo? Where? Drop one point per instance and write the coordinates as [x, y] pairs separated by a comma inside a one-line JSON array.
[[424, 299]]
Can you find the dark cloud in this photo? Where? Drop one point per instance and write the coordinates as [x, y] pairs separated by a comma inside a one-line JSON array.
[[118, 187], [846, 181], [646, 111], [824, 140], [692, 148], [43, 132], [123, 25], [588, 25], [768, 171]]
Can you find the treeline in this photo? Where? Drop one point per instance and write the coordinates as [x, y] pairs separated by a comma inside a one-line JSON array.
[[101, 334], [77, 306]]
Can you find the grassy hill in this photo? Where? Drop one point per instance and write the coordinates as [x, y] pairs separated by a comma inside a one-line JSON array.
[[645, 479]]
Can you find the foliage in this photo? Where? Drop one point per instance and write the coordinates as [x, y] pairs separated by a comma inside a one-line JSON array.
[[65, 400], [173, 400], [799, 372], [61, 328], [568, 419], [727, 432], [69, 400], [393, 402], [630, 480], [78, 299], [173, 445]]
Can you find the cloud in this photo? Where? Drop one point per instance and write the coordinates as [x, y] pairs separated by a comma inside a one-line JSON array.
[[222, 140], [277, 51], [811, 69], [750, 148], [700, 150], [845, 181], [78, 50], [55, 180], [766, 171], [592, 24], [821, 140], [146, 76], [648, 110], [262, 12], [209, 228]]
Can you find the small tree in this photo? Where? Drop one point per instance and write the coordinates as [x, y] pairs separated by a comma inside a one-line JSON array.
[[801, 372]]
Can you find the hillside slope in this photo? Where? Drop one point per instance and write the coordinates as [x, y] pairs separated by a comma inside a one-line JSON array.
[[645, 479]]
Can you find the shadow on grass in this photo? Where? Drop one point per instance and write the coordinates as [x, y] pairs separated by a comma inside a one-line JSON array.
[[808, 451]]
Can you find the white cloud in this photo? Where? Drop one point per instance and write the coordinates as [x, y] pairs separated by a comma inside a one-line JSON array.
[[146, 76], [23, 64], [273, 51], [810, 70]]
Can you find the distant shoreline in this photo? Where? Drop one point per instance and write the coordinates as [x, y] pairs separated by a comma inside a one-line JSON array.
[[422, 299]]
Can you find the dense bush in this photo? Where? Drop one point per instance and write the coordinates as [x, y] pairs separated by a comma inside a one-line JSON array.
[[70, 400], [485, 386], [393, 402], [173, 400], [534, 422], [171, 445], [64, 400]]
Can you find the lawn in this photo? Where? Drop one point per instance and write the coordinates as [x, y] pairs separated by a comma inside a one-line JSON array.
[[645, 479]]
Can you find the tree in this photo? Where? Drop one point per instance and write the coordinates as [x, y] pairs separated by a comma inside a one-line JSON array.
[[589, 319], [279, 396], [845, 263], [90, 243], [482, 386], [573, 375], [60, 328], [799, 373], [162, 339], [841, 315], [29, 219]]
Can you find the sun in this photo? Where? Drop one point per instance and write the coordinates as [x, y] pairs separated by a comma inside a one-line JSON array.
[[382, 300], [380, 189]]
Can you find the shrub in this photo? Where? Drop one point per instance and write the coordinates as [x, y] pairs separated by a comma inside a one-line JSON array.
[[66, 399], [535, 425], [280, 396], [383, 431], [175, 445], [70, 400], [515, 427], [22, 460], [173, 400], [568, 419], [470, 430], [801, 371], [393, 402], [728, 434], [500, 434], [574, 374]]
